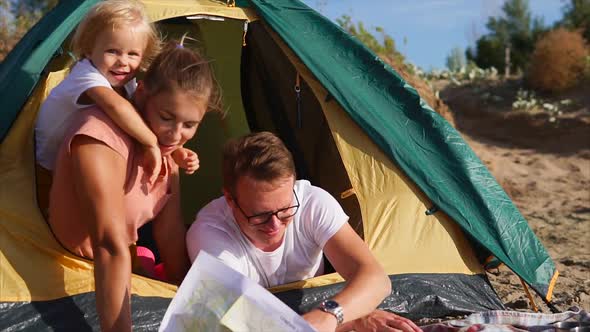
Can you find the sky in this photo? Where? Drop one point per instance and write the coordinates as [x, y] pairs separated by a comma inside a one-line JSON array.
[[430, 28]]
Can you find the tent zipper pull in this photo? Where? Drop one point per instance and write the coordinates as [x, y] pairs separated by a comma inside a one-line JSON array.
[[347, 193], [244, 34], [298, 100], [432, 210]]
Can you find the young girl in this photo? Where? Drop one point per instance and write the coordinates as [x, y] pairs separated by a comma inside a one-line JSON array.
[[98, 200], [112, 42]]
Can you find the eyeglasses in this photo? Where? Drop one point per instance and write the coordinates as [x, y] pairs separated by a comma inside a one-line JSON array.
[[264, 217]]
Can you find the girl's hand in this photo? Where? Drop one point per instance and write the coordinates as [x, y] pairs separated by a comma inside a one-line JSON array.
[[186, 159], [152, 162]]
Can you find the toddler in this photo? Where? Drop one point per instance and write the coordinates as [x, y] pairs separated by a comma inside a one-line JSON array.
[[113, 42]]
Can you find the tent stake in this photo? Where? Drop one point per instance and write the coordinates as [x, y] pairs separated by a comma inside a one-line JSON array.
[[529, 295]]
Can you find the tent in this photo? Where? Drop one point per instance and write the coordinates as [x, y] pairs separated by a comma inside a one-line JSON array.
[[426, 205]]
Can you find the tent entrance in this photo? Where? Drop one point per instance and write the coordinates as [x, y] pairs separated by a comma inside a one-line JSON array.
[[272, 102], [257, 81]]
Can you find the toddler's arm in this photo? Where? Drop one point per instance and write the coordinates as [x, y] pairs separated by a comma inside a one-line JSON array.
[[127, 118]]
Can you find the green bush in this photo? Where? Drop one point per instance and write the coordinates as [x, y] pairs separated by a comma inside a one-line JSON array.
[[558, 61]]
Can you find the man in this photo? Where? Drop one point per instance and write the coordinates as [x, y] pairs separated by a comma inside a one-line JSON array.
[[274, 229]]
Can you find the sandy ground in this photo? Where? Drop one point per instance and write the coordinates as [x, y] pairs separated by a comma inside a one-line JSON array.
[[545, 168]]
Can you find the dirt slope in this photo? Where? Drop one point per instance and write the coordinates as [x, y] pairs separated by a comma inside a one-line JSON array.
[[545, 168]]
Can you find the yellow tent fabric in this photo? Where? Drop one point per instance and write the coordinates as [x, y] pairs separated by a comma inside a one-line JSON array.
[[160, 10], [393, 210]]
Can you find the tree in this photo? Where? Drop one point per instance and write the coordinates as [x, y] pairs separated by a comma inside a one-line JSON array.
[[455, 60], [576, 15], [385, 49], [17, 17], [489, 52], [516, 30]]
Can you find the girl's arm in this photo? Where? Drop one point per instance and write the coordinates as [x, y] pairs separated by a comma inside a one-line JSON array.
[[99, 176], [169, 233], [127, 118]]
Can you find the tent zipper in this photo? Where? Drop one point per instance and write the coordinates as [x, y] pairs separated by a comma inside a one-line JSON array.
[[298, 100]]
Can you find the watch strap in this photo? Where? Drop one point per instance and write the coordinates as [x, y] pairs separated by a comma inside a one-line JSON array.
[[332, 307]]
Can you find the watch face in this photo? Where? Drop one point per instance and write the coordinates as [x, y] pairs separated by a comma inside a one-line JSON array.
[[329, 304]]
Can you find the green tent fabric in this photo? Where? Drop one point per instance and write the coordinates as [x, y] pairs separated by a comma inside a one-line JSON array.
[[415, 137]]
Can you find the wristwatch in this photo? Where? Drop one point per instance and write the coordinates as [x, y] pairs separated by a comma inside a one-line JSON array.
[[332, 307]]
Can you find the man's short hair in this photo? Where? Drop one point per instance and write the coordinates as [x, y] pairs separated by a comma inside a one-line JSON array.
[[261, 156]]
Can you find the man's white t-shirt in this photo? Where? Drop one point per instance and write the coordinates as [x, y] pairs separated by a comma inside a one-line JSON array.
[[56, 113], [300, 255]]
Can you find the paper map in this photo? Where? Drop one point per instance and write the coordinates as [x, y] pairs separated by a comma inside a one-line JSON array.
[[214, 297]]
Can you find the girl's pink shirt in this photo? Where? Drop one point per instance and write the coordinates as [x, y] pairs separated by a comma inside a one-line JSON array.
[[142, 201]]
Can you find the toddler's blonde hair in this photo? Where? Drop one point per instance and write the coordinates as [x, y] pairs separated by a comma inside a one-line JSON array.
[[112, 14]]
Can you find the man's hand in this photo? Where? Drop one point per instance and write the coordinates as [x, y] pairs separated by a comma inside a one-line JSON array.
[[321, 321], [152, 162], [380, 320], [186, 159]]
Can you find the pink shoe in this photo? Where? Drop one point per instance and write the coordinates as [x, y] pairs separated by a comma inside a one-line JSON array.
[[146, 261], [160, 272]]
